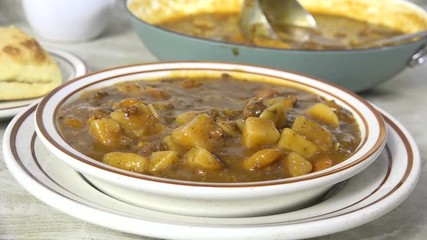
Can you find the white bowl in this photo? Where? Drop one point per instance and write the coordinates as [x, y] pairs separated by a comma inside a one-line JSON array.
[[211, 199], [68, 20]]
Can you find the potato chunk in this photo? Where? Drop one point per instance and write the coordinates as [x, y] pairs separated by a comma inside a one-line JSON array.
[[127, 161], [324, 114], [287, 102], [186, 117], [262, 158], [107, 132], [275, 113], [161, 160], [173, 146], [322, 162], [199, 132], [129, 88], [296, 165], [201, 158], [259, 132], [230, 128], [127, 102], [314, 132], [73, 122], [137, 121], [292, 141]]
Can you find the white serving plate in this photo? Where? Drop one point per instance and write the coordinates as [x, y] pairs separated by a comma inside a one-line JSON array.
[[71, 67], [363, 198]]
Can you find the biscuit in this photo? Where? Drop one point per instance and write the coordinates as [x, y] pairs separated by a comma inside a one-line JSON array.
[[26, 69]]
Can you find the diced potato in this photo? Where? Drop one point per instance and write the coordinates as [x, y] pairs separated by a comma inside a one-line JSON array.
[[292, 141], [107, 132], [342, 114], [262, 158], [73, 122], [173, 146], [275, 113], [161, 160], [191, 83], [240, 123], [324, 114], [199, 157], [322, 162], [127, 161], [154, 111], [186, 117], [287, 102], [266, 93], [296, 165], [127, 102], [137, 121], [157, 93], [230, 128], [129, 88], [314, 132], [197, 133], [259, 132], [163, 106]]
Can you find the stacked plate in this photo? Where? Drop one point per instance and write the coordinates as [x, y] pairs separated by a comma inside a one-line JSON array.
[[366, 194]]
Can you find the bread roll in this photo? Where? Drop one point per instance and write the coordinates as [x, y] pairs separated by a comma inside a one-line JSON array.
[[26, 69]]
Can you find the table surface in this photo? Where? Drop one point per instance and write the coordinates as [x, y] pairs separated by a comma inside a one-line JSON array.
[[22, 216]]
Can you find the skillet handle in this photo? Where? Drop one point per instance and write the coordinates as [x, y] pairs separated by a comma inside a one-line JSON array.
[[419, 58]]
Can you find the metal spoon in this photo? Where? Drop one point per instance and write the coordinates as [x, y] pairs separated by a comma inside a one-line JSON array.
[[260, 18]]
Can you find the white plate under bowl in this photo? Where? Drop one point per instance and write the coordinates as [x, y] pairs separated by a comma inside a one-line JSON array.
[[363, 198], [71, 67]]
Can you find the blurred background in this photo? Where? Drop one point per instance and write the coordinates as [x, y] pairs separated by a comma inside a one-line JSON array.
[[115, 36], [117, 27]]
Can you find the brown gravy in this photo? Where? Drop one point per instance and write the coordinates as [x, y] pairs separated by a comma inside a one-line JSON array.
[[210, 130], [334, 32]]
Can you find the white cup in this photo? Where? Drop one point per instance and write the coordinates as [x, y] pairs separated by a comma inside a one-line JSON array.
[[68, 20]]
